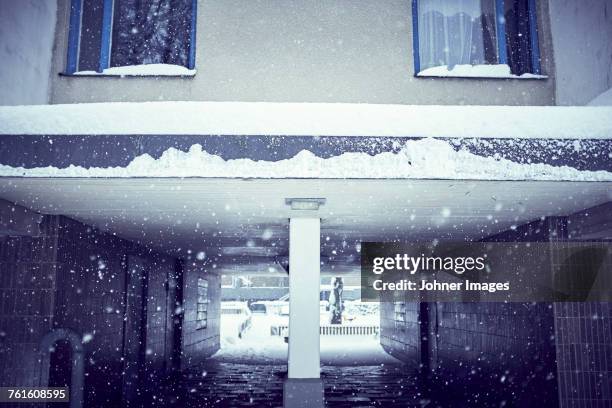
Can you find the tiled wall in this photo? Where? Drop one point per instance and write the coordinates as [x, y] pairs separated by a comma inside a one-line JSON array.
[[162, 305], [399, 328], [73, 277], [199, 343], [91, 301], [580, 333], [507, 349], [556, 354], [584, 354], [584, 330], [27, 287]]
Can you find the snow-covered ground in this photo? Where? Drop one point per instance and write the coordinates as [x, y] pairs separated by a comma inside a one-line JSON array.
[[417, 159], [257, 346]]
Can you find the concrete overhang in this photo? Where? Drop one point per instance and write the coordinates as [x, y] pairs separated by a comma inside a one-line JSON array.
[[243, 224], [114, 134]]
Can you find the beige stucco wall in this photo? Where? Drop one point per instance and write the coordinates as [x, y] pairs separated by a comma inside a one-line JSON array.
[[26, 39], [304, 51], [583, 54]]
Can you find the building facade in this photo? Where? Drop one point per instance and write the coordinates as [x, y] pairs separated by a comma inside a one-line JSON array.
[[305, 52], [267, 138]]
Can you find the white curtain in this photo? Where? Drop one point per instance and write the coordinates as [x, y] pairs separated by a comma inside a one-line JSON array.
[[450, 33]]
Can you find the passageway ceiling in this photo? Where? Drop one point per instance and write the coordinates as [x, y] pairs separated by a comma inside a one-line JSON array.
[[243, 224]]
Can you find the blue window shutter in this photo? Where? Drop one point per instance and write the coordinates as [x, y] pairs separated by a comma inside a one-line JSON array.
[[415, 37], [192, 35], [535, 40], [105, 40], [501, 32], [74, 35]]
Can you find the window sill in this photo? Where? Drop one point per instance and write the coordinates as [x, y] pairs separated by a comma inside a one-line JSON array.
[[500, 71], [531, 77], [144, 70], [97, 75]]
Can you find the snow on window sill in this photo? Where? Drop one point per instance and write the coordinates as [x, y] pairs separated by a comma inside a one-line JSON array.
[[148, 70], [498, 71]]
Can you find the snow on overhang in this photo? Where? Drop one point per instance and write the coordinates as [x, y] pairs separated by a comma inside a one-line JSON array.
[[302, 140], [426, 158], [308, 119]]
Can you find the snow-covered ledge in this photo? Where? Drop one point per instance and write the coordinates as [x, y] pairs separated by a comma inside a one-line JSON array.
[[419, 142], [418, 159], [141, 71], [499, 71], [308, 119]]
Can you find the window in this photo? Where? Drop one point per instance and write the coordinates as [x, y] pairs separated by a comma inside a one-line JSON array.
[[202, 304], [476, 38], [227, 281], [400, 315], [118, 33]]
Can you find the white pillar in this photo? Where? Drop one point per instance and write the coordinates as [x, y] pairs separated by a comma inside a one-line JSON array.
[[304, 283]]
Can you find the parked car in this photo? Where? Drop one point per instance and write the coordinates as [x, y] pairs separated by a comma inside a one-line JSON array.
[[258, 307], [235, 319]]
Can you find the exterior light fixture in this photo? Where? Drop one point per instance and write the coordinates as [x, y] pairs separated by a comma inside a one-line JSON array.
[[305, 204]]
